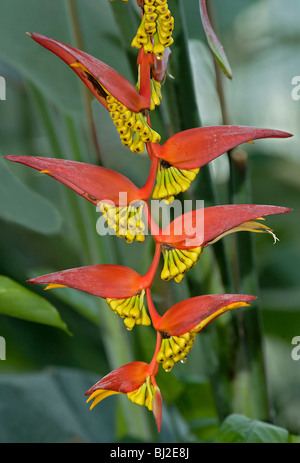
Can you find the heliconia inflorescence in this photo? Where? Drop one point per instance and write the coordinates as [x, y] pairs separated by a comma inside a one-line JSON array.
[[175, 164]]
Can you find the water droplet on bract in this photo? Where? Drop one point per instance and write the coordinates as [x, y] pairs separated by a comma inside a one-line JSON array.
[[183, 360]]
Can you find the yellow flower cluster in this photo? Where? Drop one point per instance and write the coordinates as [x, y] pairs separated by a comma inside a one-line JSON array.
[[132, 310], [132, 127], [156, 28], [126, 221], [156, 95], [143, 395], [174, 349], [178, 261], [171, 181]]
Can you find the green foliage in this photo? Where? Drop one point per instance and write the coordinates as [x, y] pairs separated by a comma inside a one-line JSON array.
[[17, 301], [238, 429]]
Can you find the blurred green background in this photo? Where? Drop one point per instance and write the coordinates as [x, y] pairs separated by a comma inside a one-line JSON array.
[[44, 227]]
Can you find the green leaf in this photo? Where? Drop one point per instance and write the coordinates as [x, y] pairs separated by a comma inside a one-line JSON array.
[[241, 429], [24, 206], [17, 301], [49, 407], [213, 41]]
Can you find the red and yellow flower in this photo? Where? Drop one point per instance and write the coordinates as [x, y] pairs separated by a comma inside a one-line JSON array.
[[137, 381], [120, 201], [128, 105], [183, 240], [126, 298], [180, 324]]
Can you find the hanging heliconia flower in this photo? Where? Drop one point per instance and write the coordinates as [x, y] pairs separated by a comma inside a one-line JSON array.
[[137, 381], [119, 200], [126, 298], [175, 164], [128, 107], [180, 324], [185, 238], [182, 155]]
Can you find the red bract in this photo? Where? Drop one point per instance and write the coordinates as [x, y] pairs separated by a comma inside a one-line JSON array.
[[99, 280], [126, 105], [100, 78], [109, 190], [182, 322], [197, 312], [93, 182], [126, 298], [194, 148], [184, 153], [184, 239], [137, 380]]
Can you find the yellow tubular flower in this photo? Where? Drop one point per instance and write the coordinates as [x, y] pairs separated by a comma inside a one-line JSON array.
[[175, 349], [155, 31], [143, 395], [178, 261], [171, 181], [133, 128], [126, 221], [131, 310]]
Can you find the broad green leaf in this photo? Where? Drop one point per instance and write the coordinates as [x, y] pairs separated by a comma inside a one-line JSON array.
[[241, 429], [49, 407], [17, 301], [21, 205]]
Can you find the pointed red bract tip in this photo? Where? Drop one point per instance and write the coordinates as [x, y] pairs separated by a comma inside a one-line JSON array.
[[194, 148], [99, 280], [186, 315], [201, 226], [126, 378], [93, 182], [101, 78]]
